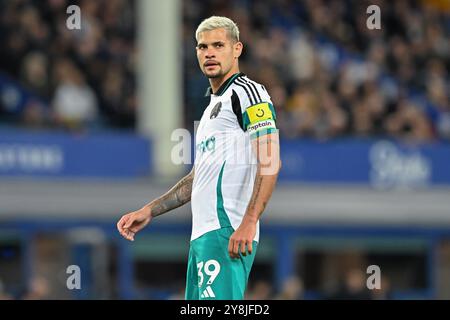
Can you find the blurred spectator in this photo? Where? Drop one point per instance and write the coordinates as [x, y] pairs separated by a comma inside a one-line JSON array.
[[259, 290], [179, 292], [74, 103], [353, 287], [34, 73], [385, 291], [34, 115], [409, 122], [3, 294], [38, 290], [292, 289]]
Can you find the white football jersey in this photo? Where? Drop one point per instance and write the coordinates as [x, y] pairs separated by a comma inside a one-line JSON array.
[[225, 164]]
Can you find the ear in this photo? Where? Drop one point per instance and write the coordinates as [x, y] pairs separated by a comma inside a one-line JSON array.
[[237, 48]]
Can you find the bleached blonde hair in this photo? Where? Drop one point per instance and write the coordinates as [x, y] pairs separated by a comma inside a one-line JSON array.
[[217, 22]]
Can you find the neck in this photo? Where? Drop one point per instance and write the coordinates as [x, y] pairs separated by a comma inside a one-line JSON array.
[[217, 82]]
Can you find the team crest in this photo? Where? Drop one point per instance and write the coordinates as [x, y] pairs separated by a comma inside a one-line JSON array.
[[216, 110]]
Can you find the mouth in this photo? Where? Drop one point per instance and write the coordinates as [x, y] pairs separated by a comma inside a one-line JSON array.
[[210, 64]]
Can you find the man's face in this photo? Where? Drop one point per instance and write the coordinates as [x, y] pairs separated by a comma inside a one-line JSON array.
[[217, 53]]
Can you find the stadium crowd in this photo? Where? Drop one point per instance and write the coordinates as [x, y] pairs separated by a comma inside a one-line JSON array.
[[80, 77], [328, 74]]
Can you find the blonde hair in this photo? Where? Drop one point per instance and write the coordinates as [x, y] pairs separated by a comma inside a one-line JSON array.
[[216, 22]]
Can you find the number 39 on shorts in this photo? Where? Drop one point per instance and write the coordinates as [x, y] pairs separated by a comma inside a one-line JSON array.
[[211, 268]]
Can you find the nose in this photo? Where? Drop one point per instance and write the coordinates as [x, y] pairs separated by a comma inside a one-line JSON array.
[[210, 54]]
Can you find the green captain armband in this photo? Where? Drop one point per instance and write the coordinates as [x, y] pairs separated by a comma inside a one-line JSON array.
[[260, 119]]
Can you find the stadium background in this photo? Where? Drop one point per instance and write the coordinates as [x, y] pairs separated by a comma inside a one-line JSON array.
[[86, 122]]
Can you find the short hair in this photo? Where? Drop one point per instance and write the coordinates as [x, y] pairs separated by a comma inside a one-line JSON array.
[[216, 22]]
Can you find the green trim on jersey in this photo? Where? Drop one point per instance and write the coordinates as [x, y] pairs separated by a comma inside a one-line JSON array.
[[246, 120], [224, 85], [221, 214], [273, 111], [223, 88]]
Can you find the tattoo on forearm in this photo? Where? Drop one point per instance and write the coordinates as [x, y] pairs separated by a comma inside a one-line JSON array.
[[264, 205], [262, 190], [256, 190], [175, 197]]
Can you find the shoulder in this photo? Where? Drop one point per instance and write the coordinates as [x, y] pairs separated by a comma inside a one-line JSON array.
[[249, 91]]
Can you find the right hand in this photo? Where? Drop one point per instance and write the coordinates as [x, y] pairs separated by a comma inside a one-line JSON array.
[[133, 222]]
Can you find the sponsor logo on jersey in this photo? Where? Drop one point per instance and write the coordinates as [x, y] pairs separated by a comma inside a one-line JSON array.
[[207, 144]]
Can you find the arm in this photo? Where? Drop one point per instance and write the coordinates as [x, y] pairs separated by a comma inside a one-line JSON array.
[[179, 194], [268, 155]]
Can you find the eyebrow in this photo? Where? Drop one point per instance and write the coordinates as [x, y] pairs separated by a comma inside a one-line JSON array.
[[213, 43]]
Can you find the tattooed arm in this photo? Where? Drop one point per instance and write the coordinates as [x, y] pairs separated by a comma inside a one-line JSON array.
[[268, 154], [178, 195], [174, 198]]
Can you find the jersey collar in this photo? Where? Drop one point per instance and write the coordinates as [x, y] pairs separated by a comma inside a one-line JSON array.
[[224, 85]]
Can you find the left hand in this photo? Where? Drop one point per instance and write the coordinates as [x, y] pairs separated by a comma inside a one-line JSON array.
[[242, 239]]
